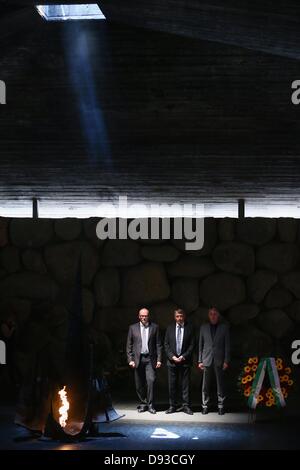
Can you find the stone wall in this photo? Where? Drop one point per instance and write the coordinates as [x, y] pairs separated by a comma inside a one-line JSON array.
[[248, 268]]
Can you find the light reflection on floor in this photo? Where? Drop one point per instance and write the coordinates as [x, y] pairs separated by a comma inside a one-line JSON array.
[[139, 435]]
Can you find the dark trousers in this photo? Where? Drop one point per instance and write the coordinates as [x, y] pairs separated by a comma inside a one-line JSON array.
[[144, 376], [179, 377], [206, 385]]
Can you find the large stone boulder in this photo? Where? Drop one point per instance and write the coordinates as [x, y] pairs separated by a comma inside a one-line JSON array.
[[256, 231], [20, 308], [259, 283], [287, 229], [185, 293], [226, 229], [275, 322], [247, 340], [3, 273], [31, 233], [89, 262], [10, 259], [105, 352], [279, 257], [66, 294], [3, 232], [88, 305], [62, 261], [234, 257], [89, 228], [107, 287], [28, 285], [36, 337], [67, 229], [115, 319], [33, 261], [145, 284], [210, 239], [294, 311], [222, 290], [292, 282], [163, 253], [152, 241], [60, 334], [278, 297], [191, 266], [163, 313], [58, 316], [242, 313], [120, 253], [198, 318]]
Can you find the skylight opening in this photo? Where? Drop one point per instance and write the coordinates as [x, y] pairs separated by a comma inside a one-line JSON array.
[[70, 12]]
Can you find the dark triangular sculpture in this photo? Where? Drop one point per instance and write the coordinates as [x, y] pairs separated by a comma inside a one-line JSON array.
[[80, 374], [91, 402]]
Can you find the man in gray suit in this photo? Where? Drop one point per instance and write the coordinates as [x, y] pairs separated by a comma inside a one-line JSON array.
[[144, 352], [214, 357]]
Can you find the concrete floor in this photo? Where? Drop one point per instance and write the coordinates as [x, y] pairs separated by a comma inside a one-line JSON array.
[[131, 415], [178, 432]]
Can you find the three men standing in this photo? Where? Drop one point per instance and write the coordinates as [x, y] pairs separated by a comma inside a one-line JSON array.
[[214, 357], [144, 355]]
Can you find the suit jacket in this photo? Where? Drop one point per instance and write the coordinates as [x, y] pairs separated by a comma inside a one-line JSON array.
[[134, 344], [217, 349], [188, 344]]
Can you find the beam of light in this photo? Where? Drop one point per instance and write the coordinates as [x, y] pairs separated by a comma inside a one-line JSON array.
[[78, 49], [160, 433], [70, 12]]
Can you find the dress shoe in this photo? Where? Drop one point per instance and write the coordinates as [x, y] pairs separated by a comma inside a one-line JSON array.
[[170, 410], [221, 411], [142, 409], [205, 411], [152, 410], [187, 410]]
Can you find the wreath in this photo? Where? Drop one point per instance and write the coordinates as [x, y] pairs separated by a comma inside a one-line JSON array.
[[265, 395]]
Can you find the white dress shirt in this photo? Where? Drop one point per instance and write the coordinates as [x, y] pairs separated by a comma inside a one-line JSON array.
[[145, 338]]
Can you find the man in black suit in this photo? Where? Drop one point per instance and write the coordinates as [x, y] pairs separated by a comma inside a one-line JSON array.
[[144, 351], [179, 346], [214, 357]]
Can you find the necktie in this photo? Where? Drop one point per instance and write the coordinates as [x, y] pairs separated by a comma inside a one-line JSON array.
[[178, 340]]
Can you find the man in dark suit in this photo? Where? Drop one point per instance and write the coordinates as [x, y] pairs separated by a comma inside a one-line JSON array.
[[179, 346], [144, 352], [214, 357]]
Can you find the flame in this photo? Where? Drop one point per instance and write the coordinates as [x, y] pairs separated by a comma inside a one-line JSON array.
[[63, 410]]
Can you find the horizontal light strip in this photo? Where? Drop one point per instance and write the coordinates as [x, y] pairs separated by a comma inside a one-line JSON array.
[[70, 12], [59, 209]]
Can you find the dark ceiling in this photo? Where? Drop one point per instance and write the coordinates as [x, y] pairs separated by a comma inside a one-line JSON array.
[[97, 109]]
